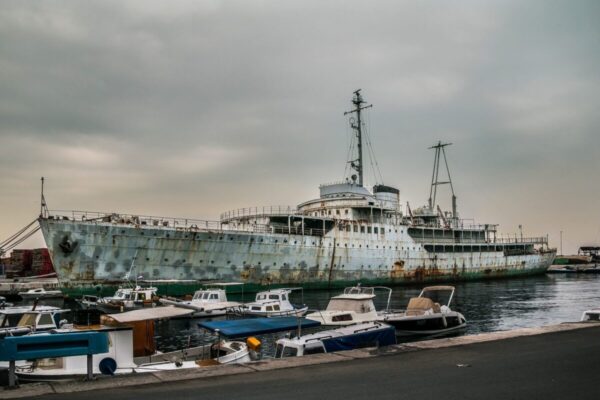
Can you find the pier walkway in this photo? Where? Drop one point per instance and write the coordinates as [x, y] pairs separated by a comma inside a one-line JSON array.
[[560, 363]]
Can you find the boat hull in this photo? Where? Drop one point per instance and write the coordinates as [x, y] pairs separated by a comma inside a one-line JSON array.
[[94, 257]]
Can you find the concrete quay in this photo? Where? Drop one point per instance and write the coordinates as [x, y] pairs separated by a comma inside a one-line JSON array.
[[552, 362]]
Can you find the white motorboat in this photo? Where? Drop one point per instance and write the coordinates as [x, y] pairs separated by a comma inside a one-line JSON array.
[[40, 293], [368, 334], [592, 314], [208, 302], [424, 316], [274, 303], [130, 351], [124, 299], [4, 303], [26, 319], [353, 306]]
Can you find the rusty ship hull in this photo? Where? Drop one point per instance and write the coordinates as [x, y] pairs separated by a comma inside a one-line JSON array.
[[96, 255]]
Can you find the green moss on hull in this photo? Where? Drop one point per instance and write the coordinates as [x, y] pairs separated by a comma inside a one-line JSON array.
[[182, 289]]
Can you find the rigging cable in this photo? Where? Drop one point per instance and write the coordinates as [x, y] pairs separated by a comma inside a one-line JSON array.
[[21, 239], [372, 157], [16, 235]]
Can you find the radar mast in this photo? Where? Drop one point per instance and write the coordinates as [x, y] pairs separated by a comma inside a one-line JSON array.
[[435, 182], [357, 163]]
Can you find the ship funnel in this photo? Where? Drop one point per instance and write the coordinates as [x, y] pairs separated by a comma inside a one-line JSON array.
[[389, 196]]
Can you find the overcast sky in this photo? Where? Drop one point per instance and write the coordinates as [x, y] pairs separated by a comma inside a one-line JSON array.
[[191, 108]]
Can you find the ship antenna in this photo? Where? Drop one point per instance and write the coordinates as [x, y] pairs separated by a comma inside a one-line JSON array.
[[358, 102], [43, 205], [440, 151]]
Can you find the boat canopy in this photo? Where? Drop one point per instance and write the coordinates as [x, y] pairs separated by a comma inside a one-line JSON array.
[[149, 314], [257, 326]]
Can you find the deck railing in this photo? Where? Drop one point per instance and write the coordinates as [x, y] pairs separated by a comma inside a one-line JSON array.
[[184, 224], [257, 212]]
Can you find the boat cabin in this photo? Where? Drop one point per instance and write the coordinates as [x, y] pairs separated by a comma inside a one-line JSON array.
[[210, 296], [355, 305], [23, 320], [369, 334], [137, 294], [271, 302]]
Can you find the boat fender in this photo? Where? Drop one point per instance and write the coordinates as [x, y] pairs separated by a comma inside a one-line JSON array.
[[107, 366], [253, 343]]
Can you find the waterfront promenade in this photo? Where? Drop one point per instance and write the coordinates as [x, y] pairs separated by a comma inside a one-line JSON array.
[[561, 363]]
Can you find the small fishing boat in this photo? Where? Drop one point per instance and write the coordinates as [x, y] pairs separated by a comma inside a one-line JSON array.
[[132, 349], [592, 314], [4, 303], [208, 302], [368, 334], [40, 293], [353, 306], [124, 299], [273, 303], [26, 319], [424, 316]]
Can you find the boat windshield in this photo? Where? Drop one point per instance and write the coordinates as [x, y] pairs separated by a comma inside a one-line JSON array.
[[285, 351], [121, 295], [350, 305], [28, 319], [2, 320]]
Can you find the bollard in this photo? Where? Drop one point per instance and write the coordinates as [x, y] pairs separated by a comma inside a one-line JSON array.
[[90, 367], [11, 375]]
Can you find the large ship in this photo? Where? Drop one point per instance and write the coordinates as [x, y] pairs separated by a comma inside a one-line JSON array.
[[348, 234]]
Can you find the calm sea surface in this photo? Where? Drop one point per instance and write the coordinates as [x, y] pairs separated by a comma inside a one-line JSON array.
[[487, 305]]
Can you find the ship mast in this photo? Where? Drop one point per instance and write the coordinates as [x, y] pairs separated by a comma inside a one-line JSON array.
[[439, 151], [358, 102]]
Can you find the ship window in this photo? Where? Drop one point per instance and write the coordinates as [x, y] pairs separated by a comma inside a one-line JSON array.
[[368, 229], [337, 212], [284, 297], [214, 296], [347, 228], [346, 212], [328, 212], [276, 307], [375, 230], [362, 229]]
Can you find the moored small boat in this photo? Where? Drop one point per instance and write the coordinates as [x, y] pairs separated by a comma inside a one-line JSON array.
[[424, 316], [208, 302], [124, 299], [273, 303], [592, 314], [40, 293], [353, 306], [368, 334]]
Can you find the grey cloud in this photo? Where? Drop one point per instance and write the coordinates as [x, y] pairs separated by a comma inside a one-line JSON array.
[[194, 107]]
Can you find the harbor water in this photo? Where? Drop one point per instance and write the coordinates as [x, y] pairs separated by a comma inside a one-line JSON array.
[[488, 306]]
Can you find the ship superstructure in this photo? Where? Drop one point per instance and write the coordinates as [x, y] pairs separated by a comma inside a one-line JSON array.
[[349, 234]]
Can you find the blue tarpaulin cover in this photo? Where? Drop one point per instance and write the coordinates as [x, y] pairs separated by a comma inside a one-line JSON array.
[[257, 326], [379, 337]]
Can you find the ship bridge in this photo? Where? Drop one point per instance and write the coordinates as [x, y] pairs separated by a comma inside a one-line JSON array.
[[349, 200]]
